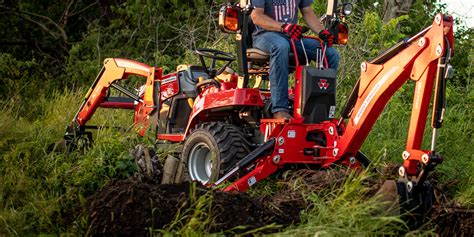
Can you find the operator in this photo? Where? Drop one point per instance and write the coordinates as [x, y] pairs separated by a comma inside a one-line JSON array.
[[276, 24]]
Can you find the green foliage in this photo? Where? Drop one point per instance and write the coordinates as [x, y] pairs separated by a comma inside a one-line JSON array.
[[40, 185], [463, 57], [157, 33], [39, 189], [379, 35], [17, 77]]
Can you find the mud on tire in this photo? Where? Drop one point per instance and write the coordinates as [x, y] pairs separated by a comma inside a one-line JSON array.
[[211, 150]]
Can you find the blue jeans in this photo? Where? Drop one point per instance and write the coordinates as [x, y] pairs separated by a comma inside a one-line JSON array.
[[279, 47]]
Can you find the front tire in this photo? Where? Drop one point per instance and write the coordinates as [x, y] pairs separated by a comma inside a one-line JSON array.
[[211, 150]]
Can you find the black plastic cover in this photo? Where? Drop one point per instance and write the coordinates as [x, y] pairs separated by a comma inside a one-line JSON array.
[[318, 94]]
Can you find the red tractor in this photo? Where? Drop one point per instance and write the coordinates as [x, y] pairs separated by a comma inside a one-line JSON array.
[[225, 125]]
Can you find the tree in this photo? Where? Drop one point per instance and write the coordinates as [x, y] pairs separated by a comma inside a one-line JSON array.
[[395, 8]]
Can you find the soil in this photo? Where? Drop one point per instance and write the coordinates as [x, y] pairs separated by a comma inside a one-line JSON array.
[[451, 221], [447, 217], [132, 207]]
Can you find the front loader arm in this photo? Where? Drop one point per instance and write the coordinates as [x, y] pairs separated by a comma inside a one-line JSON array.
[[116, 69], [418, 59]]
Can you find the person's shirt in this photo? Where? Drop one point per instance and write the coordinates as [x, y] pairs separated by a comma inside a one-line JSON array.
[[284, 11]]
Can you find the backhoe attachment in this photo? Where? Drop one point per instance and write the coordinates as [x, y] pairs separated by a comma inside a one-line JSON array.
[[423, 59], [430, 69]]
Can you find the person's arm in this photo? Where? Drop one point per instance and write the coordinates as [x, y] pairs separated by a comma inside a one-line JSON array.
[[259, 18], [311, 19]]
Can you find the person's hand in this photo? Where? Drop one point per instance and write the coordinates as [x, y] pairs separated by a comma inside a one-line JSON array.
[[292, 30], [327, 37]]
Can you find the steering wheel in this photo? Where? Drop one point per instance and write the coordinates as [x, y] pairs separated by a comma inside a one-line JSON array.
[[215, 55]]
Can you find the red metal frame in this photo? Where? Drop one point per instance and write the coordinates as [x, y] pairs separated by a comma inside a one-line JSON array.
[[378, 83], [117, 105]]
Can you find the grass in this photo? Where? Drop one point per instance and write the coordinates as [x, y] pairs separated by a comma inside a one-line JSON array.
[[38, 185], [39, 188], [346, 210], [193, 220]]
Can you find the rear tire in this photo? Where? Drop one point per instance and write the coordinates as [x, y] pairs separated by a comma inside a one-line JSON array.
[[211, 150]]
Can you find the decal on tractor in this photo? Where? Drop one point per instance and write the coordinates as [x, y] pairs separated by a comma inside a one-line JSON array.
[[373, 92], [251, 181], [332, 111], [168, 80], [323, 84]]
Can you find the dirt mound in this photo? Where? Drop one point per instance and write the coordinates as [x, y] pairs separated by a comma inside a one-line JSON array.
[[290, 200], [447, 217], [451, 221], [131, 207]]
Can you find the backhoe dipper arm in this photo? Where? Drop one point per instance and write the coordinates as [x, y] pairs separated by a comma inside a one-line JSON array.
[[115, 69], [420, 59]]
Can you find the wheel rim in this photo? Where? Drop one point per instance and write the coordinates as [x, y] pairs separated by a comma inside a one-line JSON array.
[[200, 162]]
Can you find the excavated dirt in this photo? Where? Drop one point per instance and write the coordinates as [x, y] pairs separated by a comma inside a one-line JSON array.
[[451, 221], [131, 207], [447, 217]]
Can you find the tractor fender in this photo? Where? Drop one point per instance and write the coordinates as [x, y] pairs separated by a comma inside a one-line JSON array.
[[213, 98]]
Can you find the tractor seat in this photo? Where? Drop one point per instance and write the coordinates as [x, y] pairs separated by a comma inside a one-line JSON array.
[[260, 57], [257, 55]]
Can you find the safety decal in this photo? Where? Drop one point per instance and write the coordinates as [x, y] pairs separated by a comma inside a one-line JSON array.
[[332, 111], [372, 94], [251, 181], [168, 80]]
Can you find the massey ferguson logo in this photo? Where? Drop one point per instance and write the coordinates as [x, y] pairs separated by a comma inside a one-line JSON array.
[[323, 84]]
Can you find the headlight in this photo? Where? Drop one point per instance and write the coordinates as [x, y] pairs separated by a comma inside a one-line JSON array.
[[347, 8]]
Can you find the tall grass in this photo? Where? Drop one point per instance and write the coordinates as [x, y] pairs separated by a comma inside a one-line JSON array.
[[347, 210], [40, 187]]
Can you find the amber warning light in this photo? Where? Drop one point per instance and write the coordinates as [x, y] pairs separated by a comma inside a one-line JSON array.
[[229, 19], [342, 33]]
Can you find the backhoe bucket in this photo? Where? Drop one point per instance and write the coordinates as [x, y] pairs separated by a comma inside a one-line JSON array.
[[412, 201]]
